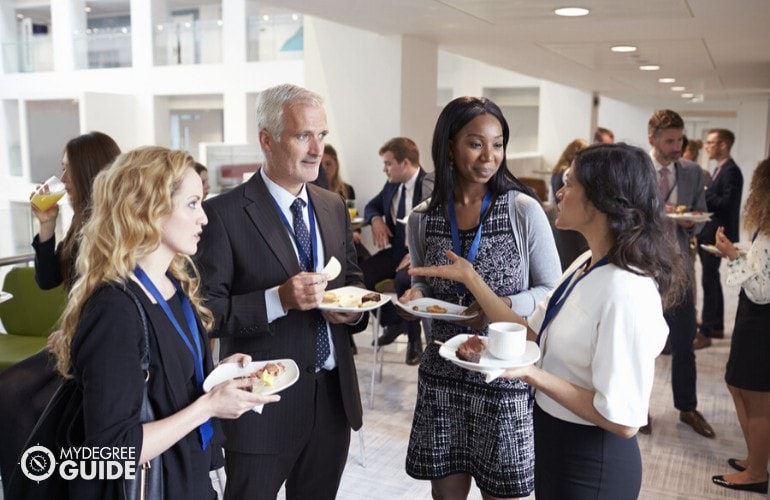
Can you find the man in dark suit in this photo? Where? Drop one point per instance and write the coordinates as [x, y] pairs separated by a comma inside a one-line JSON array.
[[405, 189], [723, 198], [680, 184], [260, 260]]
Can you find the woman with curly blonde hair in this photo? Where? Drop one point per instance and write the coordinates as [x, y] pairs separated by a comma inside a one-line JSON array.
[[146, 221], [748, 373]]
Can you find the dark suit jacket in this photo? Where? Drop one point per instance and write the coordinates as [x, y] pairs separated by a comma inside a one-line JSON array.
[[723, 198], [379, 206], [246, 250]]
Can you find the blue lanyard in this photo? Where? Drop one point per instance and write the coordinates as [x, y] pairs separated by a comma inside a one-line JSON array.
[[192, 324], [559, 297], [304, 257], [456, 247]]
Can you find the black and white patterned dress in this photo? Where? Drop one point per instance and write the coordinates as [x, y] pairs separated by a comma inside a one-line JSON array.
[[461, 423]]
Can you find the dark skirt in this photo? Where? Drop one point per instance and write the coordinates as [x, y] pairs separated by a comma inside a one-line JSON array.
[[574, 461], [747, 365]]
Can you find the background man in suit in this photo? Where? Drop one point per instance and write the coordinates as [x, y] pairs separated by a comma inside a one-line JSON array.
[[723, 198], [403, 191], [680, 184], [260, 259]]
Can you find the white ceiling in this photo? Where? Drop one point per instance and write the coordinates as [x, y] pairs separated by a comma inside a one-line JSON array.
[[717, 49]]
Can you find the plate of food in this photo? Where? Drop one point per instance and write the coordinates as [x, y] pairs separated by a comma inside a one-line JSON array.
[[712, 249], [470, 352], [5, 296], [689, 216], [429, 308], [352, 299], [270, 377]]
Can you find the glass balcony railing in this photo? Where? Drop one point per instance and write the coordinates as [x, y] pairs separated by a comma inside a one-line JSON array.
[[30, 55], [193, 42], [275, 38], [103, 48]]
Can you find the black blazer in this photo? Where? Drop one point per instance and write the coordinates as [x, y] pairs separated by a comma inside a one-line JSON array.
[[723, 198], [246, 250], [106, 356]]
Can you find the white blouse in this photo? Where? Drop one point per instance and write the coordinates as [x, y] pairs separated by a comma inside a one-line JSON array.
[[752, 271], [605, 339]]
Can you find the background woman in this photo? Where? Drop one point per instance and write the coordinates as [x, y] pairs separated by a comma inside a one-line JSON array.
[[565, 160], [479, 204], [748, 372], [28, 385], [331, 165], [599, 331], [84, 157], [204, 174], [146, 221]]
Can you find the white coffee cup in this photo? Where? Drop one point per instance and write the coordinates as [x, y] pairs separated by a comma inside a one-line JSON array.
[[507, 340]]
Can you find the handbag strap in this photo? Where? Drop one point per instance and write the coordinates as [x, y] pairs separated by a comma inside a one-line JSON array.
[[145, 362]]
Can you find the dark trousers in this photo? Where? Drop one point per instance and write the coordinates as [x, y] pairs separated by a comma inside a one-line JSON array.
[[682, 328], [576, 462], [380, 267], [713, 316], [312, 470]]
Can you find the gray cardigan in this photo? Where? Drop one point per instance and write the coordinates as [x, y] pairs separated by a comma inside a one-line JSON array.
[[540, 260]]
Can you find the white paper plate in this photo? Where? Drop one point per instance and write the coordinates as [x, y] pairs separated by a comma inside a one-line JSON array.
[[357, 220], [691, 216], [229, 371], [350, 297], [5, 296], [487, 362], [452, 314]]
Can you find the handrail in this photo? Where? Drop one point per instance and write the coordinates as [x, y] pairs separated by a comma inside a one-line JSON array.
[[17, 259]]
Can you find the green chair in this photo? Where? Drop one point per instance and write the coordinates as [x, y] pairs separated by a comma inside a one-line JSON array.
[[29, 317]]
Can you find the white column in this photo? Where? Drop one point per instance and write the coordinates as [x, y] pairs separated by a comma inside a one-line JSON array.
[[419, 89], [142, 30], [68, 21], [236, 112]]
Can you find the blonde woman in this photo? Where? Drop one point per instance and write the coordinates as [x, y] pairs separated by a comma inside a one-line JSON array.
[[748, 373], [146, 221]]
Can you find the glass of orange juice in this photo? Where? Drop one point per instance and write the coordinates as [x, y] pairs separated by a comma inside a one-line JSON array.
[[352, 210], [48, 193]]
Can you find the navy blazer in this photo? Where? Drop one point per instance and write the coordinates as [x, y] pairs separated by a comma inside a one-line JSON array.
[[244, 251], [379, 206], [723, 198]]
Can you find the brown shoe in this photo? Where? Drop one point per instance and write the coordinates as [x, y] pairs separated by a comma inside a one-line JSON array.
[[694, 419], [716, 334], [701, 341]]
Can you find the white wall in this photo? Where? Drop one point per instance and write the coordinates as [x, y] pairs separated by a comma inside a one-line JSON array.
[[94, 118], [565, 115]]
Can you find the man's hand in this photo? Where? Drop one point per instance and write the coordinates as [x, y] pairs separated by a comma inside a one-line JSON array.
[[381, 233], [341, 317], [302, 291]]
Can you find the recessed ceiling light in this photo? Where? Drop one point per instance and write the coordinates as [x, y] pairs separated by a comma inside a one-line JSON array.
[[688, 95], [677, 88], [571, 11], [666, 80], [623, 48], [649, 67]]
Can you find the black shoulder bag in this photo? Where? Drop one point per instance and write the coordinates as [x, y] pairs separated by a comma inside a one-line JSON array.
[[61, 426]]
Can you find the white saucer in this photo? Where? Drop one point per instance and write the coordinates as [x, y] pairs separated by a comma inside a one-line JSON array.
[[487, 362]]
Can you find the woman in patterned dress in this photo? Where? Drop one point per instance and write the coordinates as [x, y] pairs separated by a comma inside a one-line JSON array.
[[748, 372], [464, 427], [599, 331]]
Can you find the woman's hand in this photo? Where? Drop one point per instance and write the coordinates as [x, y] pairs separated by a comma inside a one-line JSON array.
[[47, 218], [478, 322], [233, 398], [408, 296], [724, 245], [459, 270]]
